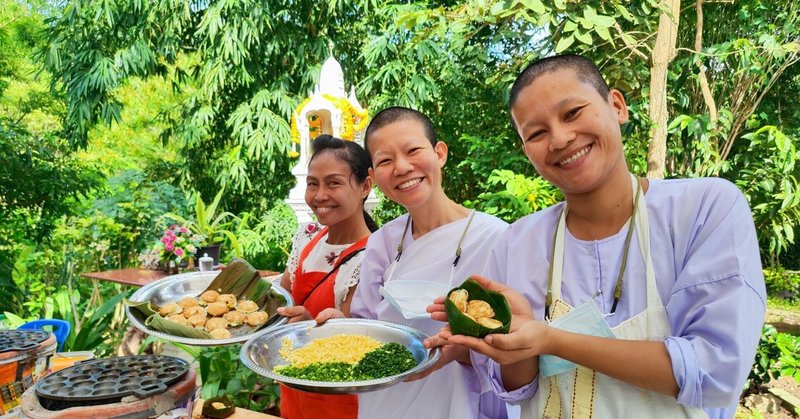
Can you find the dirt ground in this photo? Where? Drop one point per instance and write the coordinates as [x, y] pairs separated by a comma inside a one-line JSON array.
[[766, 405]]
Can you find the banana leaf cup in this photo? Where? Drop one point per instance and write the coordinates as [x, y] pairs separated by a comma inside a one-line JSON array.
[[460, 324]]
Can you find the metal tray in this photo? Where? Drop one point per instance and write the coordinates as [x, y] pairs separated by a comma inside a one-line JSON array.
[[177, 287], [262, 353]]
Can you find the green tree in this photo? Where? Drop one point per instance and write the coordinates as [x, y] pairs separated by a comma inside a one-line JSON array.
[[40, 179], [242, 67]]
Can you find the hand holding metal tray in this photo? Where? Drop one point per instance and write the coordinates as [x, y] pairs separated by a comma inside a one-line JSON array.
[[262, 353], [176, 287]]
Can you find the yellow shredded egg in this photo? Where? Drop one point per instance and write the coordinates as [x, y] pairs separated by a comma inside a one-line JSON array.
[[349, 349]]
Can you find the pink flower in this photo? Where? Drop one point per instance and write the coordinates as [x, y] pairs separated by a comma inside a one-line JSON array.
[[184, 230], [168, 247], [179, 252], [173, 226], [311, 228]]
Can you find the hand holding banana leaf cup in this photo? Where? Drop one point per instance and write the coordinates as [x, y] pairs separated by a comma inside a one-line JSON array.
[[474, 311], [208, 308]]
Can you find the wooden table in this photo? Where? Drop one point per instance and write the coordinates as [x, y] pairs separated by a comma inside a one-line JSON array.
[[131, 276], [138, 277]]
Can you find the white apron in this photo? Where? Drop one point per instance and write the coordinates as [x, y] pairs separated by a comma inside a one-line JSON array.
[[454, 391], [584, 393]]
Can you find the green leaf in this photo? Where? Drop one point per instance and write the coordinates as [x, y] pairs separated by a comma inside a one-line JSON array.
[[564, 43], [535, 5], [603, 33], [584, 37]]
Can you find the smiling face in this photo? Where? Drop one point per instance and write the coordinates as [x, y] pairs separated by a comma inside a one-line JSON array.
[[405, 165], [332, 191], [570, 133]]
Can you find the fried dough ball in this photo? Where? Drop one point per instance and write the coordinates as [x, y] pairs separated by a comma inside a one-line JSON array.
[[479, 309], [209, 296], [228, 299], [188, 302], [197, 320], [169, 309], [234, 318], [220, 334], [489, 322], [192, 311], [217, 308], [246, 306], [178, 318], [256, 318], [216, 323], [459, 298]]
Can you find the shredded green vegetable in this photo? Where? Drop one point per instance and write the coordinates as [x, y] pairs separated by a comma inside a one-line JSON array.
[[329, 371], [390, 359]]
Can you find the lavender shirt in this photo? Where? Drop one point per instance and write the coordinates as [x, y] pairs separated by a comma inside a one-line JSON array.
[[708, 270]]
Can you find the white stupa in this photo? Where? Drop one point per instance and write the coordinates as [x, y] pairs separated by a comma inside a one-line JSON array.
[[329, 110]]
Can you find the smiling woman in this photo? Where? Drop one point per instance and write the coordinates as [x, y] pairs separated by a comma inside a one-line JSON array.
[[417, 257], [325, 260]]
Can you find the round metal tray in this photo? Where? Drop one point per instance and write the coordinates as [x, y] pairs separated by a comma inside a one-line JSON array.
[[262, 353], [177, 287]]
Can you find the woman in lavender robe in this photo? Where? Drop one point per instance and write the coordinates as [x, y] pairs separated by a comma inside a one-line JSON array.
[[634, 298]]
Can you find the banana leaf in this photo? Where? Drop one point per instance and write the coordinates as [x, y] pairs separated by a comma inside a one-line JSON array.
[[147, 313], [463, 325], [235, 279], [238, 278]]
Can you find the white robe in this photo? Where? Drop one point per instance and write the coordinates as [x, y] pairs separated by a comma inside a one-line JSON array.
[[454, 391]]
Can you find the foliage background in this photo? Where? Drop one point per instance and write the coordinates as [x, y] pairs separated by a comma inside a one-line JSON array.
[[115, 112]]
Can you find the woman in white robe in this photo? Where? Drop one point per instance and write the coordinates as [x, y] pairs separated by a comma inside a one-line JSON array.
[[417, 257]]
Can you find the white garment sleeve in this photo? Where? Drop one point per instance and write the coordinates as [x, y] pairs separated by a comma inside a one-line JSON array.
[[299, 241], [346, 278]]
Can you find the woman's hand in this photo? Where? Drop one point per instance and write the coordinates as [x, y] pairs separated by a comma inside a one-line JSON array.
[[520, 307], [449, 353], [329, 313], [295, 313], [526, 340]]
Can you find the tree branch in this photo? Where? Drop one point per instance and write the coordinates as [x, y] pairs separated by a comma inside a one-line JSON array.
[[628, 45], [737, 126], [698, 46]]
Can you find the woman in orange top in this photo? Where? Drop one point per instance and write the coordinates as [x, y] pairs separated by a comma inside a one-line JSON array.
[[325, 262]]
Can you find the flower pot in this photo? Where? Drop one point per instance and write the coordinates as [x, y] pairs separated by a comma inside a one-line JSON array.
[[211, 250]]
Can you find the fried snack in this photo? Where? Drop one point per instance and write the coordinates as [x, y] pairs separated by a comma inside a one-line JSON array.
[[192, 311], [247, 306], [459, 298], [489, 322], [256, 318], [217, 308], [207, 297], [228, 299], [216, 323], [234, 318], [197, 320], [483, 313], [479, 309], [187, 302], [169, 309], [220, 334], [178, 318]]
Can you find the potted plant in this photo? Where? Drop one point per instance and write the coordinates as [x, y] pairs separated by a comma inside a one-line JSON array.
[[212, 225], [176, 247]]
